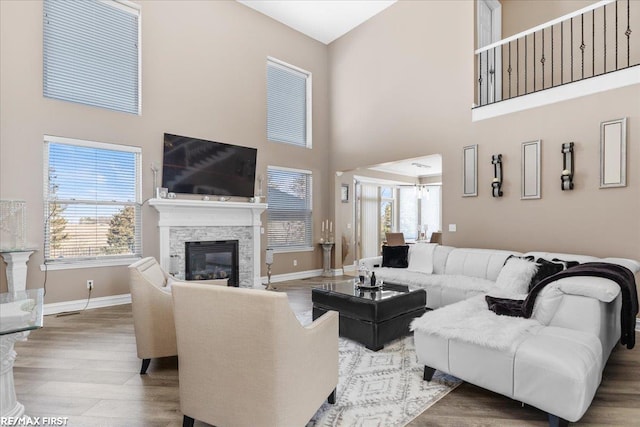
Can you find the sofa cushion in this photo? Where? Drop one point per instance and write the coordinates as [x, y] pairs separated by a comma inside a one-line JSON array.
[[482, 263], [421, 257], [515, 276], [395, 256], [565, 257], [558, 370], [440, 255]]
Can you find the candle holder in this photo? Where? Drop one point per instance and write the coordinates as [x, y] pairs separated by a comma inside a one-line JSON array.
[[269, 262]]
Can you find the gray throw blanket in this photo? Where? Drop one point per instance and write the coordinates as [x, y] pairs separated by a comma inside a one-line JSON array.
[[617, 273]]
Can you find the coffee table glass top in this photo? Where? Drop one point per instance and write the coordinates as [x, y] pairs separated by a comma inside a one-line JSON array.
[[21, 311], [350, 287]]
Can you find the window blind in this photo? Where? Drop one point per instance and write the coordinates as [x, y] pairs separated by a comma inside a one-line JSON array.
[[408, 211], [430, 208], [289, 211], [91, 53], [288, 105], [370, 220], [92, 200]]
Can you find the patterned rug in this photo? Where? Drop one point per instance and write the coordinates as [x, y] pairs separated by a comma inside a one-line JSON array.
[[382, 389]]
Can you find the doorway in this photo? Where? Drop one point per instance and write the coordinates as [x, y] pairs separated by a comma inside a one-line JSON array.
[[489, 27]]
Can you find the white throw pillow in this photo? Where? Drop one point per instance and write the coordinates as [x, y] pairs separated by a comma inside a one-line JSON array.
[[515, 276], [421, 257]]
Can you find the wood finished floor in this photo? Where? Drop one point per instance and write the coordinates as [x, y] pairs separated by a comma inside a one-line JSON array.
[[85, 367]]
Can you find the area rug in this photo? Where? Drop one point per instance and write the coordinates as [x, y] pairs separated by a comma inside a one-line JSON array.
[[382, 389]]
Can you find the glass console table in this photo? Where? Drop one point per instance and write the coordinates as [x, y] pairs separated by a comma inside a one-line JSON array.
[[20, 313]]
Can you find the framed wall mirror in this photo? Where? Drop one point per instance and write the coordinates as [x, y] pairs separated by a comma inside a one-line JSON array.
[[470, 171], [613, 153], [344, 193], [530, 170]]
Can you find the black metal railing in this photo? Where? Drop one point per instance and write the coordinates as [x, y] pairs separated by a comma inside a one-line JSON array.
[[592, 41]]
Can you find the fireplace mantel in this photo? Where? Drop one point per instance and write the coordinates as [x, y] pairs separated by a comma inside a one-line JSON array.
[[199, 214]]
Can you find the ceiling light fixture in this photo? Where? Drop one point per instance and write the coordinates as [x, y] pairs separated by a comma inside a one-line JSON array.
[[420, 165]]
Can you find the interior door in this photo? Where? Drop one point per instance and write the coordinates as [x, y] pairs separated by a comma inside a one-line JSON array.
[[489, 62]]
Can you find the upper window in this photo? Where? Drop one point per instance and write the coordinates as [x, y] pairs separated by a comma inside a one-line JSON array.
[[289, 211], [92, 53], [288, 104], [92, 201]]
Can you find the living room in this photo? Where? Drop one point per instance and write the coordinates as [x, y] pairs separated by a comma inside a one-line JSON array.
[[401, 85]]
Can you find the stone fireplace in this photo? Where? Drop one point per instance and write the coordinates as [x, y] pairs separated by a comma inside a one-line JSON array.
[[212, 260], [186, 220]]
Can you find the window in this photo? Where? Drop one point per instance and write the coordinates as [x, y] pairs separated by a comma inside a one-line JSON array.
[[288, 104], [387, 213], [430, 209], [289, 212], [92, 202], [92, 53], [408, 198]]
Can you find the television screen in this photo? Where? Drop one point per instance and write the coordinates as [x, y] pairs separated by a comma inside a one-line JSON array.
[[198, 166]]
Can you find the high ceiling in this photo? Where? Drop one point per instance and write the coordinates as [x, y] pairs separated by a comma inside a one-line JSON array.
[[416, 167], [323, 20]]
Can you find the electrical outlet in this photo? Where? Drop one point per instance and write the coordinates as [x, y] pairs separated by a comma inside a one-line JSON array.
[[90, 284], [295, 262]]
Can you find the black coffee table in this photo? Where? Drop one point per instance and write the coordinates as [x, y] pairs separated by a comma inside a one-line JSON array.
[[372, 318]]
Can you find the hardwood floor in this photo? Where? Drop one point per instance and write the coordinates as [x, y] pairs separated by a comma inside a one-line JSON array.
[[84, 367]]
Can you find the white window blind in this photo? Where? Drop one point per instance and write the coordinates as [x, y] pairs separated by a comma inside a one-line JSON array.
[[408, 211], [288, 104], [289, 211], [91, 53], [431, 208], [370, 220], [92, 201]]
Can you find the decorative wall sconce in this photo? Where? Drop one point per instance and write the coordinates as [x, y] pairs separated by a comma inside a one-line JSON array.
[[567, 166], [496, 184]]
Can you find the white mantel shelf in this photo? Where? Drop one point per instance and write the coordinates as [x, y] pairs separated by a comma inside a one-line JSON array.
[[189, 213], [208, 213]]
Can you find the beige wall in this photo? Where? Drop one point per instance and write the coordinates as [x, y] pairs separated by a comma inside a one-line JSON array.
[[520, 15], [203, 75], [397, 91], [396, 88]]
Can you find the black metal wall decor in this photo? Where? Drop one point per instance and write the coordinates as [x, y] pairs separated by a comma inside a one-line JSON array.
[[567, 166], [496, 184]]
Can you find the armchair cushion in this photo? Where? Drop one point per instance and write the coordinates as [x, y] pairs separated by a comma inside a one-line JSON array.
[[245, 359], [152, 308]]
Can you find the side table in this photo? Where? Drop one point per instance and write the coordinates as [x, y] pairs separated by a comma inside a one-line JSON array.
[[20, 313], [326, 258], [16, 260]]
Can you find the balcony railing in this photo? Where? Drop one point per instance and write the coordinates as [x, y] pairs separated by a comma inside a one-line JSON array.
[[592, 41]]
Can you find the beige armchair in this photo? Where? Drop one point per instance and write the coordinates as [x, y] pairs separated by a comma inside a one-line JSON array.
[[152, 309], [245, 360]]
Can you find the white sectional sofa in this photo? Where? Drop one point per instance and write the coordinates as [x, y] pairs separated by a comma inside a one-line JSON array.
[[552, 361]]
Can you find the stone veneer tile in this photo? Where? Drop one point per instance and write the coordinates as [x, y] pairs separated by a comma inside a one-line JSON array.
[[244, 235]]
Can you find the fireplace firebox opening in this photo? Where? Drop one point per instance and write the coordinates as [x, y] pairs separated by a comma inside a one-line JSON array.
[[212, 260]]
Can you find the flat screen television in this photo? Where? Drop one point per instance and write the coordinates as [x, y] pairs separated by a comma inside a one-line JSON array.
[[198, 166]]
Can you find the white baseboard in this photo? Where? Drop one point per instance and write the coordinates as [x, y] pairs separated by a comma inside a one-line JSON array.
[[292, 276], [351, 268], [637, 324], [63, 307]]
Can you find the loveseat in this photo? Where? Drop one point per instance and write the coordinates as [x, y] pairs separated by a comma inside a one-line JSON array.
[[552, 361]]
